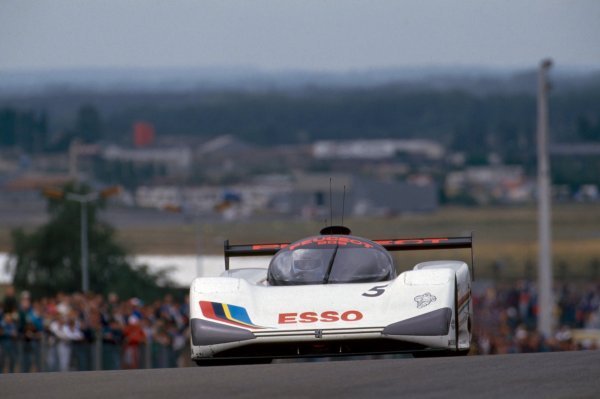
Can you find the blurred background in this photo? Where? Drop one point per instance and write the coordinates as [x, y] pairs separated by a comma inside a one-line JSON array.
[[136, 136]]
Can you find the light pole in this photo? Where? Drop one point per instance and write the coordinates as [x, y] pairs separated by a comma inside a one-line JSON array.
[[84, 200], [545, 297]]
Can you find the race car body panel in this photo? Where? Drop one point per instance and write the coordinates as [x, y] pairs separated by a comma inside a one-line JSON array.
[[245, 313]]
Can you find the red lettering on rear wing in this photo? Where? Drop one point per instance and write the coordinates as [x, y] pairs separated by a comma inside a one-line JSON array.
[[395, 244], [415, 244]]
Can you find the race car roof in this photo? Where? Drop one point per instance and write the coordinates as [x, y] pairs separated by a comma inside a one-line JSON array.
[[331, 259]]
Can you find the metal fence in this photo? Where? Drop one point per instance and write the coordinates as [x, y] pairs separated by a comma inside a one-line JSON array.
[[49, 354]]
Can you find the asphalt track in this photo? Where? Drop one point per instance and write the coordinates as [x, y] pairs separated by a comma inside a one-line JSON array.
[[540, 375]]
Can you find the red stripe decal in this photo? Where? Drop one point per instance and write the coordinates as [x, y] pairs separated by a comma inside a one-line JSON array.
[[207, 310], [463, 300]]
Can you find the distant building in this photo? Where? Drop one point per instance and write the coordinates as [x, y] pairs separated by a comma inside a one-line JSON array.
[[486, 184], [227, 159], [224, 145], [376, 149], [303, 195], [249, 198], [587, 193], [176, 160], [309, 196]]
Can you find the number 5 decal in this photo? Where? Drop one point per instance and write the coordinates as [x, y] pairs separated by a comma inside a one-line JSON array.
[[375, 291]]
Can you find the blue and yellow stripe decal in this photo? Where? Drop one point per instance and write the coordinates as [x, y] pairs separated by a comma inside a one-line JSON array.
[[226, 313]]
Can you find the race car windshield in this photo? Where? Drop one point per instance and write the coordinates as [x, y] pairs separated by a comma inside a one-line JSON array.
[[331, 260]]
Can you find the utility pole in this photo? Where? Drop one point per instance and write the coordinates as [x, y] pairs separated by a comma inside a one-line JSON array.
[[545, 295]]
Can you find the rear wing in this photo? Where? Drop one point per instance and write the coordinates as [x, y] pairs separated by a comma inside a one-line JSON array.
[[401, 244], [233, 251]]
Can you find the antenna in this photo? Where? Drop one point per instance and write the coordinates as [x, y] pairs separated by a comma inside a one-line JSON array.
[[343, 204], [330, 204]]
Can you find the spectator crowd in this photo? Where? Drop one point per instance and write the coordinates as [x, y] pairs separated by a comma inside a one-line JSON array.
[[505, 318], [87, 332], [90, 332]]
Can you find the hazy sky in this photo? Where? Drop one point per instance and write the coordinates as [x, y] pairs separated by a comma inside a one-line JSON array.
[[303, 34]]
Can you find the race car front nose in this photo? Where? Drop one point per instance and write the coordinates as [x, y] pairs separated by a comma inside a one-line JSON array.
[[208, 333], [432, 323]]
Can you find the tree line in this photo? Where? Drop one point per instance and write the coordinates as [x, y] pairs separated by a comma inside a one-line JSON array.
[[476, 124], [48, 259]]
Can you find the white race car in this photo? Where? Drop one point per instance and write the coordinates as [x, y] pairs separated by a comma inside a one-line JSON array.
[[332, 294]]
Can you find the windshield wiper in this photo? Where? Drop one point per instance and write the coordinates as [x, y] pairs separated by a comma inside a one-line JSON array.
[[330, 266]]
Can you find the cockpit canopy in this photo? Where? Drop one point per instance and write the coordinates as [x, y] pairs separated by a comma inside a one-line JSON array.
[[331, 259]]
